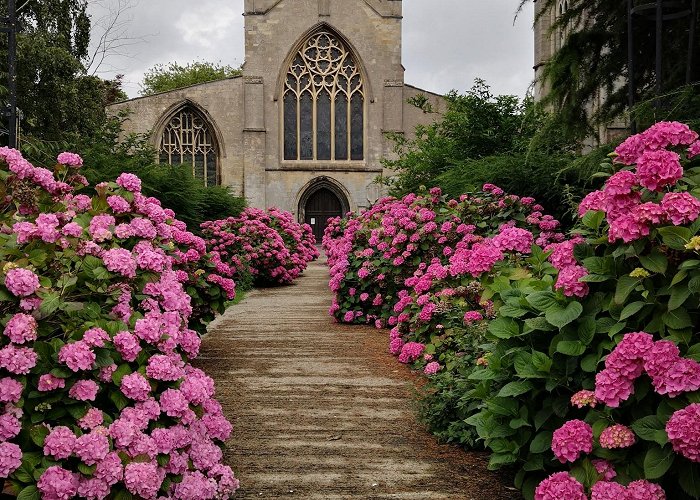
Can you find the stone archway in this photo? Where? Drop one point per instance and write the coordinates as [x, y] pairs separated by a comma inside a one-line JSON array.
[[321, 200]]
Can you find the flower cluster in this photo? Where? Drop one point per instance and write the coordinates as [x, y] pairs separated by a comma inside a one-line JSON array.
[[98, 320]]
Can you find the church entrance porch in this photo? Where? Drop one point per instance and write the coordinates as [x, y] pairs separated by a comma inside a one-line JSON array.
[[321, 200]]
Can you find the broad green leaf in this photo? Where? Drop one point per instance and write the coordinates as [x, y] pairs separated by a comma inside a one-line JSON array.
[[29, 493], [538, 323], [503, 406], [689, 478], [515, 388], [694, 285], [50, 303], [675, 237], [677, 319], [504, 328], [542, 301], [542, 442], [657, 462], [524, 367], [680, 276], [679, 294], [599, 265], [120, 373], [512, 312], [38, 434], [571, 347], [631, 309], [560, 317], [593, 219], [586, 330], [656, 262], [625, 285], [650, 428], [589, 363], [541, 361]]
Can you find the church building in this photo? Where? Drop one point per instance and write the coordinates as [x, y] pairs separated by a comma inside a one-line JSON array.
[[305, 127]]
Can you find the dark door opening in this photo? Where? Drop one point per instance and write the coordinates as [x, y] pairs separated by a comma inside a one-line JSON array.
[[321, 206]]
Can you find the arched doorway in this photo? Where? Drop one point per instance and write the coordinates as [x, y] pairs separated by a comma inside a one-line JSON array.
[[321, 206], [321, 201]]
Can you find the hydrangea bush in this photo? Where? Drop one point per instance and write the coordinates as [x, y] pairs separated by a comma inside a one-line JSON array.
[[270, 245], [558, 313], [99, 396]]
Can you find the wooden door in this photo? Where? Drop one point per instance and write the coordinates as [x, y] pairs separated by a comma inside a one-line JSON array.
[[322, 205]]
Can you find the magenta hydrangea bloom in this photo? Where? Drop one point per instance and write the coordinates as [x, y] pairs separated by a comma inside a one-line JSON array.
[[130, 182], [84, 390], [584, 398], [572, 439], [10, 390], [432, 368], [644, 490], [195, 486], [21, 282], [48, 382], [127, 345], [70, 159], [92, 448], [605, 469], [605, 490], [9, 426], [658, 169], [21, 328], [617, 436], [612, 388], [120, 260], [10, 458], [18, 360], [681, 208], [569, 281], [93, 418], [560, 486], [135, 386], [60, 443], [411, 351], [143, 479], [77, 356], [683, 430], [622, 182], [56, 483]]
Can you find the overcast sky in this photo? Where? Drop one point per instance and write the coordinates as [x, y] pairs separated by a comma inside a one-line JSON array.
[[446, 43]]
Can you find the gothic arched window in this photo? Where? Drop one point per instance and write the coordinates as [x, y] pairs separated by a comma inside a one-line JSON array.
[[187, 140], [324, 102]]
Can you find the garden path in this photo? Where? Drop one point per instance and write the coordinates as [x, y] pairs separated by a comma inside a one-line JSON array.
[[322, 411]]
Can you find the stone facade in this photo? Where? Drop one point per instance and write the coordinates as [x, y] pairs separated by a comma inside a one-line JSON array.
[[246, 114]]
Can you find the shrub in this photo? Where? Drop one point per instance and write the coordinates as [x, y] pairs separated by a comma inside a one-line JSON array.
[[100, 396]]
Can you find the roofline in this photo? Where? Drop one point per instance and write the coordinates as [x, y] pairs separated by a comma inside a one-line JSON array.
[[176, 90], [424, 91]]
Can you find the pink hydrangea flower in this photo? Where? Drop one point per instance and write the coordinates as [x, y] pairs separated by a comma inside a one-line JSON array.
[[95, 337], [56, 483], [10, 390], [10, 458], [605, 490], [657, 169], [514, 239], [604, 468], [93, 418], [161, 367], [135, 386], [18, 360], [584, 398], [70, 159], [77, 356], [569, 282], [432, 368], [118, 204], [84, 390], [9, 426], [130, 182], [127, 345], [680, 208], [21, 328], [612, 388], [110, 469], [572, 439], [622, 182], [644, 490], [48, 382], [617, 436], [143, 479], [120, 260], [21, 282], [411, 351], [683, 430], [195, 486], [560, 486], [60, 443], [91, 448]]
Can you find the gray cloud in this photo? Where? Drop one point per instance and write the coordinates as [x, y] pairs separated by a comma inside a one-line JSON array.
[[446, 43]]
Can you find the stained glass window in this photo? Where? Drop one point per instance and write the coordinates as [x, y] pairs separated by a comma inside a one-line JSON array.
[[324, 102], [187, 140]]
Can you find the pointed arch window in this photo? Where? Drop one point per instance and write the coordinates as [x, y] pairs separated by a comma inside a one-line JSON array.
[[324, 102], [188, 140]]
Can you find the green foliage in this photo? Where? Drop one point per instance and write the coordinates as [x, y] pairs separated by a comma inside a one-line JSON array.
[[162, 78]]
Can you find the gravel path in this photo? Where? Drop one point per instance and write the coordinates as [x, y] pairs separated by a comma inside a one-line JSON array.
[[322, 411]]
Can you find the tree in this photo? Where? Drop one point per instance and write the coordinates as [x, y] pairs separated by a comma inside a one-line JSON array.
[[162, 78], [593, 62], [55, 94]]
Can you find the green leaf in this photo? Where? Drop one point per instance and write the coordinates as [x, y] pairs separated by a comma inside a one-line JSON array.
[[679, 294], [694, 285], [504, 328], [29, 493], [542, 442], [586, 330], [675, 237], [38, 434], [650, 428], [541, 361], [571, 347], [656, 262], [50, 303], [120, 373], [560, 317], [631, 309], [542, 300], [689, 478], [25, 472], [677, 319], [599, 265], [119, 400], [593, 219], [680, 276], [625, 285], [123, 495], [512, 312], [538, 323], [87, 470], [589, 364], [503, 406], [657, 462], [515, 388]]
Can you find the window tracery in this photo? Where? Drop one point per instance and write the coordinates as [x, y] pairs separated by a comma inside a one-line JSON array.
[[187, 140], [324, 117]]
